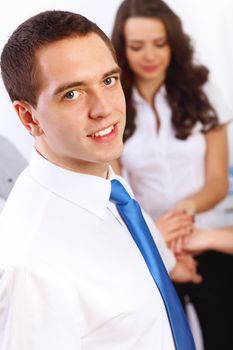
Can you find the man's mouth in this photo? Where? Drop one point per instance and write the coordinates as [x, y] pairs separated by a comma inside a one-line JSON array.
[[103, 132]]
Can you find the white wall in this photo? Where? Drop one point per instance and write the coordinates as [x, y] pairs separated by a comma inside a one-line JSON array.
[[209, 22], [210, 25]]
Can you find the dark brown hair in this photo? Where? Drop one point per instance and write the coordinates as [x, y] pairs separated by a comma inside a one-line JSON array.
[[18, 59], [184, 79]]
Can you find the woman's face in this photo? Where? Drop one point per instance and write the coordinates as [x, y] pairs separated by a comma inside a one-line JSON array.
[[147, 49]]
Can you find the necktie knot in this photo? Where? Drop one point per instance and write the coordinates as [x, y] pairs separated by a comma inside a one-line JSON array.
[[119, 195]]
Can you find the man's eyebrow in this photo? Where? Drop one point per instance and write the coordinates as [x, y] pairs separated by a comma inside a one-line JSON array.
[[113, 71], [73, 84]]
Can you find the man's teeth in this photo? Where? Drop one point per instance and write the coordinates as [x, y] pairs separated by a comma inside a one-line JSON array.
[[104, 132]]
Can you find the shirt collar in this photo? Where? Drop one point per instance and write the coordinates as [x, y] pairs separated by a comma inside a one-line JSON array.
[[88, 191], [138, 99]]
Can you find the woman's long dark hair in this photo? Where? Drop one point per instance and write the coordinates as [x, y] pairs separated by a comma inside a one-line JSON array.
[[184, 79]]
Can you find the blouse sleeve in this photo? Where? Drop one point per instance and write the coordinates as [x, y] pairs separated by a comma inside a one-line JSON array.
[[37, 312], [214, 93]]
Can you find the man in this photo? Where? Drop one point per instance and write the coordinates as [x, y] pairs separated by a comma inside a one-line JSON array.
[[72, 276]]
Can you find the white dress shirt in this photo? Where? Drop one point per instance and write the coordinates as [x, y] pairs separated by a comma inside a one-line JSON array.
[[71, 275], [161, 169]]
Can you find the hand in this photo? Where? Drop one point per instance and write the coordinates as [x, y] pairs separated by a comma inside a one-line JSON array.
[[188, 205], [198, 241], [185, 270], [188, 261], [177, 245], [174, 224]]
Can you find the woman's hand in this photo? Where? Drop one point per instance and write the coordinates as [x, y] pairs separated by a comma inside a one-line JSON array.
[[188, 205], [198, 241], [174, 224]]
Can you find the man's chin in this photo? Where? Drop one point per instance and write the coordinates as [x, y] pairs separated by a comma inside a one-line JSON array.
[[117, 154]]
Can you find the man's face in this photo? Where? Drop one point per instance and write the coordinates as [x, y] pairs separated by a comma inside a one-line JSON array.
[[81, 106]]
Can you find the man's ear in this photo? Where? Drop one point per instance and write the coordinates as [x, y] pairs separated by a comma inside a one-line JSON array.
[[26, 115]]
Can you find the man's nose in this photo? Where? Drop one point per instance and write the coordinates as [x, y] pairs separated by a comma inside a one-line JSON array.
[[99, 105]]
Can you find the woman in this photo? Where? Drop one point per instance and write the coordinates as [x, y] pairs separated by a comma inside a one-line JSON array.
[[175, 154]]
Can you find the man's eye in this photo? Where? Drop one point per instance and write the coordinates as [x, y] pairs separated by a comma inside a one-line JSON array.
[[72, 95], [110, 80]]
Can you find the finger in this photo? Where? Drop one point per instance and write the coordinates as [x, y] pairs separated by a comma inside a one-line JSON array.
[[172, 246], [186, 238], [190, 263], [179, 245], [177, 234], [173, 214], [177, 223], [196, 278]]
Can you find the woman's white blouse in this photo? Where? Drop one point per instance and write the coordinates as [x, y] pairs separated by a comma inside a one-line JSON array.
[[162, 169]]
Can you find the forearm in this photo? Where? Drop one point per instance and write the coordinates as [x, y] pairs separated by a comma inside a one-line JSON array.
[[221, 240], [216, 179], [209, 196]]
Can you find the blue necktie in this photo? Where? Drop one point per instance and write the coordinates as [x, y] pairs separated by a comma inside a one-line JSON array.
[[131, 213]]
